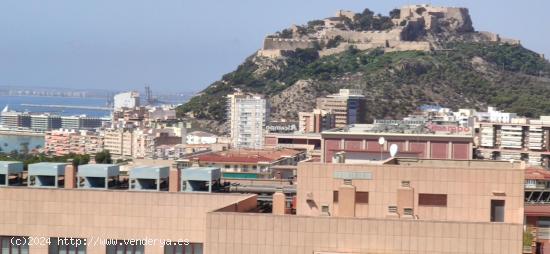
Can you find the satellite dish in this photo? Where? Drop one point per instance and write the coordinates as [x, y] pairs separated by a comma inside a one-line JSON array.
[[381, 140], [393, 150]]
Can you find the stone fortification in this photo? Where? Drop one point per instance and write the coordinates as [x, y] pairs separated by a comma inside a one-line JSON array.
[[408, 32]]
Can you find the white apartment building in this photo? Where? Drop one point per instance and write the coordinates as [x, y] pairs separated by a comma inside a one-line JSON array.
[[201, 138], [126, 100], [495, 116], [248, 114]]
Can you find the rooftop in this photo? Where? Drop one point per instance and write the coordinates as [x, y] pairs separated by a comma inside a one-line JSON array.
[[247, 155], [201, 134], [399, 127], [440, 163], [537, 174]]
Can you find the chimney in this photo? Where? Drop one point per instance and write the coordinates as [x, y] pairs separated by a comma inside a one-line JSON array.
[[279, 200], [346, 199], [174, 184], [70, 175]]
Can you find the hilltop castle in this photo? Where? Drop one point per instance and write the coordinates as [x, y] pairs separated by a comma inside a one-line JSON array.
[[407, 32]]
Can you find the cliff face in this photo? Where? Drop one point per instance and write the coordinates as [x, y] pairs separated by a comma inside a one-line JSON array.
[[423, 55]]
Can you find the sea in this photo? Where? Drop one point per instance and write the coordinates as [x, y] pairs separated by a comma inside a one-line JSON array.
[[20, 142]]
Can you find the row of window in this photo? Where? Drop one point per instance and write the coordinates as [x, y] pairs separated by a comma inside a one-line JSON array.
[[424, 199], [20, 245], [428, 199]]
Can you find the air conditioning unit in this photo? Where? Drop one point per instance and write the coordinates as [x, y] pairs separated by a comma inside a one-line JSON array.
[[309, 196]]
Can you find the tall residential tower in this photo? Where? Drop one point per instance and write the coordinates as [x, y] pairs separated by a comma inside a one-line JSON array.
[[247, 114]]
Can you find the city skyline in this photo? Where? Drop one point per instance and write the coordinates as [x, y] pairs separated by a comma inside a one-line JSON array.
[[175, 49]]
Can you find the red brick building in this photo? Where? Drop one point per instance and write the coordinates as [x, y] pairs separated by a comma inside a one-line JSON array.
[[360, 143]]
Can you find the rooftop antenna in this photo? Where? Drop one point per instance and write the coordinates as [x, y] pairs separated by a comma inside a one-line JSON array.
[[393, 150]]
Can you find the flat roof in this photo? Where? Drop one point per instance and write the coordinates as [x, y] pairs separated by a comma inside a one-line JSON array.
[[98, 170], [247, 155], [393, 130], [201, 173], [11, 167], [47, 168], [295, 135], [442, 163], [150, 172], [436, 163]]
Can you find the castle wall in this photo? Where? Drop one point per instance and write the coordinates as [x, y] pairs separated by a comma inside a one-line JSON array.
[[346, 14], [409, 46], [270, 53], [494, 37], [368, 36], [510, 41], [286, 44]]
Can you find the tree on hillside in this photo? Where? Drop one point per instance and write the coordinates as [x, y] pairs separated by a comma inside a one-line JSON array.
[[395, 13]]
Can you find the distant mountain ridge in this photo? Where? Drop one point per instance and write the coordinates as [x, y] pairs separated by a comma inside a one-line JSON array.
[[417, 55]]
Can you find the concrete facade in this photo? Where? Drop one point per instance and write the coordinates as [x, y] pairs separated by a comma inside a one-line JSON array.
[[120, 215], [462, 226], [378, 209]]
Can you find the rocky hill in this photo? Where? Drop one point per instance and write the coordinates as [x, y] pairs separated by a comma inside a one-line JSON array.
[[417, 55]]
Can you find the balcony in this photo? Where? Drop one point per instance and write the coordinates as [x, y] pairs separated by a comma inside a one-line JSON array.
[[535, 186]]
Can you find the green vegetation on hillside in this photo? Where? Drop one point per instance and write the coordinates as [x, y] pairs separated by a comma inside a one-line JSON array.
[[396, 83], [368, 21]]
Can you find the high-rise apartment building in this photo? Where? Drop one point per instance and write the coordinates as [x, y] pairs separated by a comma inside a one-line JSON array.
[[248, 115], [348, 106]]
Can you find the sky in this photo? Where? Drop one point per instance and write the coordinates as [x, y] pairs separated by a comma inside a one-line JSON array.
[[184, 45]]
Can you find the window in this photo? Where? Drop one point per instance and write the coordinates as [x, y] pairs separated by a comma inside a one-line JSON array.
[[497, 210], [14, 245], [361, 197], [408, 211], [124, 247], [530, 183], [392, 209], [325, 210], [183, 248], [432, 199], [67, 245]]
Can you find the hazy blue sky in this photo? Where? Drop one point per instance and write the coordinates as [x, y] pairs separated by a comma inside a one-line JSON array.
[[184, 45]]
